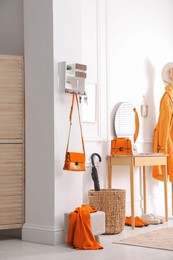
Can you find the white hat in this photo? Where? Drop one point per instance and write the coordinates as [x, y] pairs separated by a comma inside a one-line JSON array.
[[165, 72]]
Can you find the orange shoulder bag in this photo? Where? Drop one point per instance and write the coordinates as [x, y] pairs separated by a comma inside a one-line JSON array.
[[74, 161], [123, 145]]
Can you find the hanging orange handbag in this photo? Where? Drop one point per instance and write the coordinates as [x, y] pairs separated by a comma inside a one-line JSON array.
[[74, 161]]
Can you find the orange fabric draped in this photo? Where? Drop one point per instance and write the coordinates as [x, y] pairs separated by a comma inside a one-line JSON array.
[[79, 229]]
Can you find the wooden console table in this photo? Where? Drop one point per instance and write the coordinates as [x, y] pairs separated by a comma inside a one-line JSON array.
[[142, 160]]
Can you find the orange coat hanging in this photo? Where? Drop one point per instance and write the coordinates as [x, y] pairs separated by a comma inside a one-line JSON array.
[[163, 134]]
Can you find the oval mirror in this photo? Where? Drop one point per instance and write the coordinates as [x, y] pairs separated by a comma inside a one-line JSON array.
[[126, 121]]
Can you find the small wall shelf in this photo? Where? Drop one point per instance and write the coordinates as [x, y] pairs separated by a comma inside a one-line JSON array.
[[73, 77]]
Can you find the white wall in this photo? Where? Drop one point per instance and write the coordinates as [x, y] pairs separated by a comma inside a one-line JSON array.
[[125, 45], [51, 37], [139, 44], [67, 47], [39, 122]]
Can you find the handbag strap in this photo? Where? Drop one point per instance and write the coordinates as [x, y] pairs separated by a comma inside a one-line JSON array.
[[136, 125], [74, 97]]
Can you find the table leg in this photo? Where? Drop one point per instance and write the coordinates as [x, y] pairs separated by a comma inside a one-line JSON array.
[[132, 193], [166, 192], [109, 173], [144, 189]]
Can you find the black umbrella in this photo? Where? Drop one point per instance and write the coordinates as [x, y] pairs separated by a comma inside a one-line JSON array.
[[94, 173]]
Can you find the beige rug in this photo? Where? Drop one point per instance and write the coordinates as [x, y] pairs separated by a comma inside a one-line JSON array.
[[160, 239]]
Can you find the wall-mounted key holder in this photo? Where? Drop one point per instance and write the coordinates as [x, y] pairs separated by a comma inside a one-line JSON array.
[[74, 76]]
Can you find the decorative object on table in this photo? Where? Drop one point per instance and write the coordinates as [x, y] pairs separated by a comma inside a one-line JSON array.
[[126, 125], [94, 172], [126, 121], [112, 202], [121, 146], [74, 161]]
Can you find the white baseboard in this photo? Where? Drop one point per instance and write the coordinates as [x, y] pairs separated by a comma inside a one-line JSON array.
[[42, 234]]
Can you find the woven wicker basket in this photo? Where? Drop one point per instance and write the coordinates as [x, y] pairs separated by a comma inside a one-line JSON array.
[[112, 202]]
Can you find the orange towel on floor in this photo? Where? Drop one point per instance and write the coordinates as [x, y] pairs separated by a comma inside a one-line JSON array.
[[79, 229]]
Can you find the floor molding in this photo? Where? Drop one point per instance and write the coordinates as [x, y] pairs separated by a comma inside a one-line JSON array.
[[42, 234]]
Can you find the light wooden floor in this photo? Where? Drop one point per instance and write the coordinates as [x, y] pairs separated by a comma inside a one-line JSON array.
[[15, 249]]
